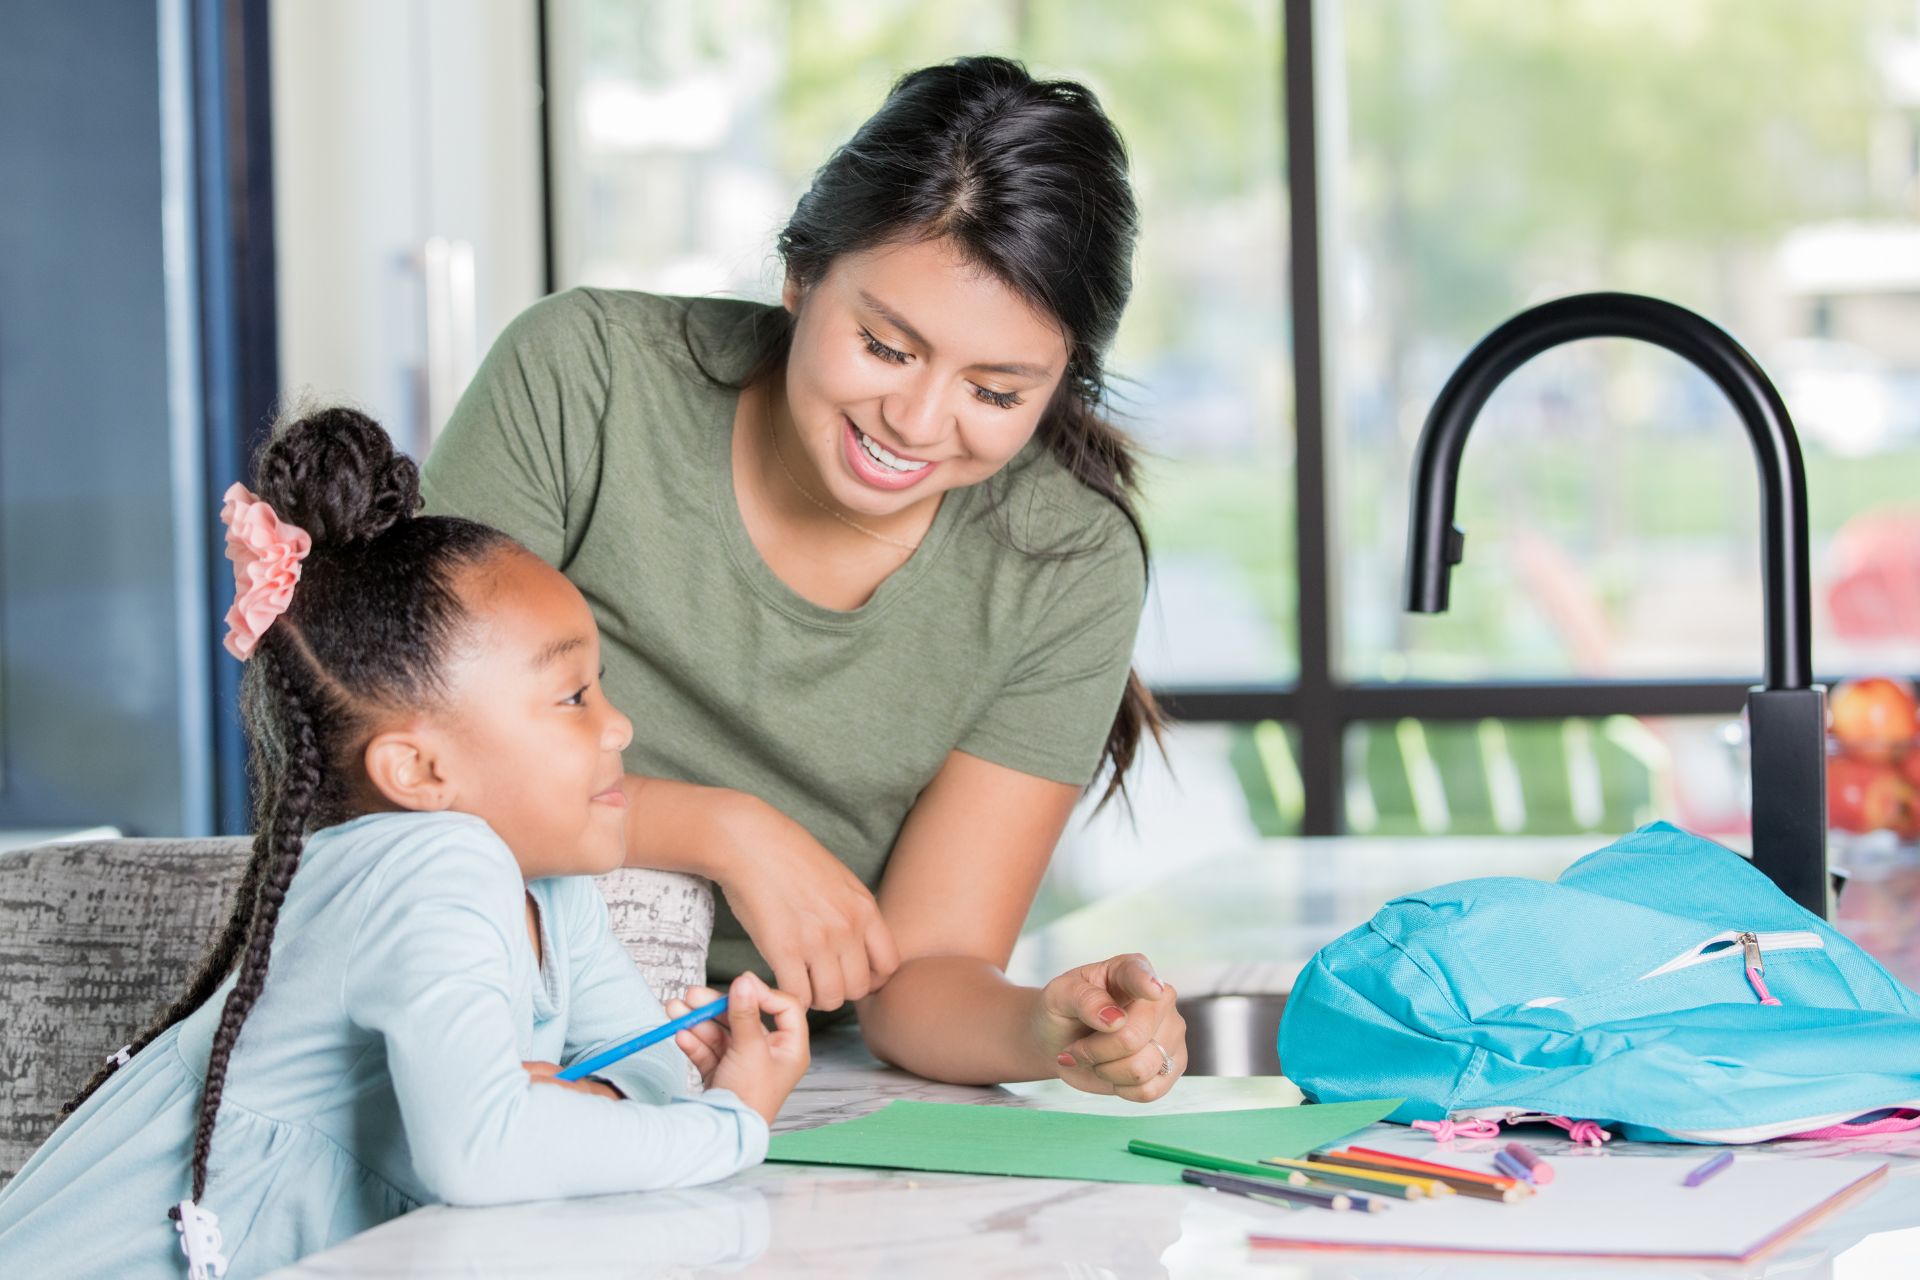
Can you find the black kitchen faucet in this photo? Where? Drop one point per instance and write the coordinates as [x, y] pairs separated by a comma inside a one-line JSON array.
[[1786, 715]]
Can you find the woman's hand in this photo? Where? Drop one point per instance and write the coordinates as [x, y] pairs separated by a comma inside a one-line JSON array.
[[817, 925], [1114, 1029], [758, 1066], [549, 1073]]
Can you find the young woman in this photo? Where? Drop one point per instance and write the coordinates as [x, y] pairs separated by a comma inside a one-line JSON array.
[[870, 563]]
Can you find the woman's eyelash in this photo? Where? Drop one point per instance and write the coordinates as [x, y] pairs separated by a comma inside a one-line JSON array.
[[882, 350], [998, 399]]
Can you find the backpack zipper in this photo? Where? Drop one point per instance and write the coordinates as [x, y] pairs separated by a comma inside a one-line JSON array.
[[1750, 949], [1753, 947], [1751, 944]]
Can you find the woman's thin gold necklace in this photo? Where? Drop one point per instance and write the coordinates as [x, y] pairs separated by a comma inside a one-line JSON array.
[[773, 434]]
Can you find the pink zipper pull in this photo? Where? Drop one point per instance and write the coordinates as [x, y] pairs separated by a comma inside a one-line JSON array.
[[1750, 945]]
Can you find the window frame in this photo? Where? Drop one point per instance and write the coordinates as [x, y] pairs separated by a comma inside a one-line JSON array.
[[1318, 704]]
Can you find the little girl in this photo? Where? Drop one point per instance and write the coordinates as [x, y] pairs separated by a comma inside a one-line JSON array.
[[435, 760]]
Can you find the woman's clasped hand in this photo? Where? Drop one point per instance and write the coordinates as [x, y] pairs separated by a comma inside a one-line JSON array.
[[1117, 1028]]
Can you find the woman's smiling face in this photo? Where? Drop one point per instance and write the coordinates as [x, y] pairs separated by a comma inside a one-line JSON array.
[[912, 372]]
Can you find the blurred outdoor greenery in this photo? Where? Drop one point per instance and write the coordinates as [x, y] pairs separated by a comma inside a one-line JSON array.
[[1477, 156]]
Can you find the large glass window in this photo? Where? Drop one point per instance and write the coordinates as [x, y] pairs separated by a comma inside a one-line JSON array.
[[1568, 775], [684, 133], [1755, 160]]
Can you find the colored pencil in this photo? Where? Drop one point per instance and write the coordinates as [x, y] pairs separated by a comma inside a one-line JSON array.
[[1266, 1189], [1479, 1187], [1361, 1202], [1539, 1170], [1424, 1168], [1216, 1164], [1701, 1172], [1511, 1168], [646, 1040], [1399, 1186]]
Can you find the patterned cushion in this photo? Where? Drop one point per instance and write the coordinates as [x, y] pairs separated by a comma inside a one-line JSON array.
[[97, 937]]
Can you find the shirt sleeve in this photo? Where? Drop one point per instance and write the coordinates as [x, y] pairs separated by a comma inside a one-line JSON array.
[[520, 450], [1052, 714], [609, 1001], [429, 970]]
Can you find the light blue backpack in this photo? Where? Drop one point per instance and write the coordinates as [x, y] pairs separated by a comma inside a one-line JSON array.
[[1662, 988]]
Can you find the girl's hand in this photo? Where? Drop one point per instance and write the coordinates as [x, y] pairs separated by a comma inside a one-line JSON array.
[[704, 1042], [816, 924], [759, 1066], [548, 1073], [1114, 1029]]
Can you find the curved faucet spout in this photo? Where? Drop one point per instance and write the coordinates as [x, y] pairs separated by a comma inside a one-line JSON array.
[[1786, 716], [1435, 545]]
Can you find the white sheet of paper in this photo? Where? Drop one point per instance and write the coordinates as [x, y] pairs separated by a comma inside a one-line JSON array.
[[1600, 1204]]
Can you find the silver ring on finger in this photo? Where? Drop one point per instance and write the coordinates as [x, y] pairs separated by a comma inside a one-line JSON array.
[[1166, 1060]]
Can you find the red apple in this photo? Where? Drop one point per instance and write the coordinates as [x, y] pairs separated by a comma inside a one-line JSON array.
[[1876, 718], [1862, 796], [1907, 825], [1910, 768], [1847, 780]]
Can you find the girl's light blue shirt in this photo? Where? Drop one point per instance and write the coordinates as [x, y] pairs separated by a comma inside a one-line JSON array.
[[380, 1070]]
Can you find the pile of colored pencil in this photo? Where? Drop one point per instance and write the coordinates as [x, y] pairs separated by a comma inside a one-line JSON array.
[[1356, 1178]]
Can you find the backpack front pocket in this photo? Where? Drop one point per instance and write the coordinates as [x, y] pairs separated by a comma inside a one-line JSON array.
[[1734, 966]]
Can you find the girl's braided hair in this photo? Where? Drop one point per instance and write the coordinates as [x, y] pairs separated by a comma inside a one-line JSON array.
[[375, 614]]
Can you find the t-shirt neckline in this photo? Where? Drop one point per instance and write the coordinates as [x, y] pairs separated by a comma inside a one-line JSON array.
[[773, 589]]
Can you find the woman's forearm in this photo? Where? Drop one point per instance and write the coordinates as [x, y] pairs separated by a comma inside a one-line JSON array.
[[675, 826], [957, 1019]]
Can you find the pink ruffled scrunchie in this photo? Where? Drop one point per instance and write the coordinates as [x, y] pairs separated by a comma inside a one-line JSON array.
[[266, 552]]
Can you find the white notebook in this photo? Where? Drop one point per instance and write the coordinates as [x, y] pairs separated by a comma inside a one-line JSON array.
[[1600, 1204]]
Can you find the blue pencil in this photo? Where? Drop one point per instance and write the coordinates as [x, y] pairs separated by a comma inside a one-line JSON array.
[[666, 1031]]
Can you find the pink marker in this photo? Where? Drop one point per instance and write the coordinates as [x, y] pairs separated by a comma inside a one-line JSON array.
[[1537, 1169]]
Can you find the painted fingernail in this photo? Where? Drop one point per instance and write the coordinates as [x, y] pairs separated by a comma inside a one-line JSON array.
[[1111, 1014], [1065, 1059]]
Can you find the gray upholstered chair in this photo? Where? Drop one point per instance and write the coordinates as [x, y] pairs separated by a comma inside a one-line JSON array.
[[96, 937]]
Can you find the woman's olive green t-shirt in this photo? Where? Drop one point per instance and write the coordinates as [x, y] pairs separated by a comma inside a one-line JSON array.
[[593, 435]]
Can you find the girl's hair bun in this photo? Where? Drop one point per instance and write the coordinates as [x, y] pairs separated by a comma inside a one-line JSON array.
[[335, 473]]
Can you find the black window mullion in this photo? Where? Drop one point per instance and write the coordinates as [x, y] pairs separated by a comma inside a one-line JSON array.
[[1316, 714]]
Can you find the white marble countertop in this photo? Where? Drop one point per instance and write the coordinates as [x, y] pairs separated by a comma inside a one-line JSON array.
[[802, 1221], [1249, 920], [1244, 922]]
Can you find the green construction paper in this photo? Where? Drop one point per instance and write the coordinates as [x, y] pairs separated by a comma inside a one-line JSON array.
[[948, 1137]]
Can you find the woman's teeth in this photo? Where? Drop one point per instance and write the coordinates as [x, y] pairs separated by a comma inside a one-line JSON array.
[[881, 456]]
